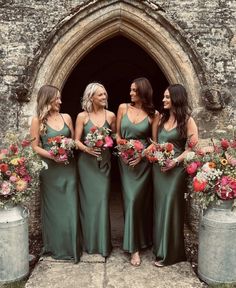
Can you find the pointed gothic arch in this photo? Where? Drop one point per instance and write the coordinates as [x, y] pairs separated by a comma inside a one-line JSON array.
[[87, 27]]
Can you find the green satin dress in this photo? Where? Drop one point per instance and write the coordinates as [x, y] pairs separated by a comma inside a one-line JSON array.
[[59, 205], [94, 190], [137, 191], [169, 204]]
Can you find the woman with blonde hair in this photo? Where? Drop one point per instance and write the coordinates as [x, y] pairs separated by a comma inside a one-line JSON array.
[[58, 185], [94, 166]]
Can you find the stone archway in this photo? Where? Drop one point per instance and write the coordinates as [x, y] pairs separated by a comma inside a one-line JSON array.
[[93, 23]]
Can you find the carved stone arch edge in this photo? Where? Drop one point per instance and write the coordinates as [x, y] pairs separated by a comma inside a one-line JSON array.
[[121, 17]]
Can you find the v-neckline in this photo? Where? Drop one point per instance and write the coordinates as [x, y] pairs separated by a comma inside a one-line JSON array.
[[170, 129], [135, 123]]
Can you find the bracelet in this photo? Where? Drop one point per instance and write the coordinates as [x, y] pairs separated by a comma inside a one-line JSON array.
[[85, 150], [176, 161]]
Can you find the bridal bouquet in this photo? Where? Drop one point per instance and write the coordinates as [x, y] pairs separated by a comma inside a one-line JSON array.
[[99, 138], [160, 153], [19, 170], [212, 172], [129, 149], [61, 148]]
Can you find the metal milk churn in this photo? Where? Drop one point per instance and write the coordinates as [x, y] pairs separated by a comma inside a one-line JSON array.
[[217, 249], [14, 247]]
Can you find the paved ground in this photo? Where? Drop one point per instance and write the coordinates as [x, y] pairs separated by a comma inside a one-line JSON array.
[[114, 272]]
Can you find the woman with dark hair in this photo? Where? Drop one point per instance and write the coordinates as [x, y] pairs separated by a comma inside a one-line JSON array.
[[58, 185], [94, 171], [174, 125], [134, 122]]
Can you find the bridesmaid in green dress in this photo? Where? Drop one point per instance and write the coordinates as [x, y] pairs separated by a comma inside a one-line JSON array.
[[94, 174], [58, 185], [134, 122], [176, 126]]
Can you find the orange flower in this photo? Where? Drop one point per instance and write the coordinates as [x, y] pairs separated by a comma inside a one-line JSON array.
[[212, 165], [21, 185], [122, 141]]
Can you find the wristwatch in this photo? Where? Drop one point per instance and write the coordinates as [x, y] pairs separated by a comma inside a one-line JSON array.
[[176, 161]]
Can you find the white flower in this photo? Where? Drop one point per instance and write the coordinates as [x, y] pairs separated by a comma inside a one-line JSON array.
[[190, 156]]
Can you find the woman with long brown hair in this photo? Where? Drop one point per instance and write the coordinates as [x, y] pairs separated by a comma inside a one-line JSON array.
[[174, 125], [134, 122], [58, 185]]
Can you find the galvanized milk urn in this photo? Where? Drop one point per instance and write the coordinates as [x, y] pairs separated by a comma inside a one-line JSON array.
[[217, 248], [14, 247]]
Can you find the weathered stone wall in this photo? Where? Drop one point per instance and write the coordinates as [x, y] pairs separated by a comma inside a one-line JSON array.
[[209, 26]]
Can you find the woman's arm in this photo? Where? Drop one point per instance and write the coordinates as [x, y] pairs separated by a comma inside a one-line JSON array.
[[34, 133], [69, 123], [112, 121], [120, 114]]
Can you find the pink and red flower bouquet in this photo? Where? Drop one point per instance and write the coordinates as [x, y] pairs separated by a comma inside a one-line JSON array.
[[212, 172], [99, 138], [129, 149], [160, 153], [61, 148], [19, 170]]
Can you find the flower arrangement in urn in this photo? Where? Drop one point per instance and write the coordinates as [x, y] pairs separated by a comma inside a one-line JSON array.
[[212, 172], [19, 170]]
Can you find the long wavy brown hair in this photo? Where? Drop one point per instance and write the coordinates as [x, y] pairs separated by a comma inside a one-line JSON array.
[[145, 92], [179, 99], [46, 95]]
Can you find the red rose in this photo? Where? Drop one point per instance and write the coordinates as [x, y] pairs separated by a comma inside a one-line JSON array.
[[99, 143], [61, 151], [25, 143], [3, 167], [169, 147], [13, 148], [93, 129], [224, 144], [198, 185]]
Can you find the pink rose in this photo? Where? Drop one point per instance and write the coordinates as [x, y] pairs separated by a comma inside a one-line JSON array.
[[192, 168], [138, 145], [108, 141]]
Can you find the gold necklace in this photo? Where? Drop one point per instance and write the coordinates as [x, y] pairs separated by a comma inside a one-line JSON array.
[[137, 115]]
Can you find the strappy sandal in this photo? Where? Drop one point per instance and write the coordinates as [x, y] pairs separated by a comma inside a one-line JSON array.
[[158, 264]]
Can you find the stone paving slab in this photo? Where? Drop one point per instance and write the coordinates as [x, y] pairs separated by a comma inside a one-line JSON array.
[[116, 272]]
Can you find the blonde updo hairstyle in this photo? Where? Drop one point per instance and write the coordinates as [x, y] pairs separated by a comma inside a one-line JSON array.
[[46, 95], [90, 90]]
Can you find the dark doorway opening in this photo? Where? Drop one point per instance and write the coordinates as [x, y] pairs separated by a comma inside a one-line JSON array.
[[115, 63]]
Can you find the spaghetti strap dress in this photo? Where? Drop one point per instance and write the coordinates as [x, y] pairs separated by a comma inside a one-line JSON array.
[[61, 229], [169, 204], [94, 190], [137, 191]]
